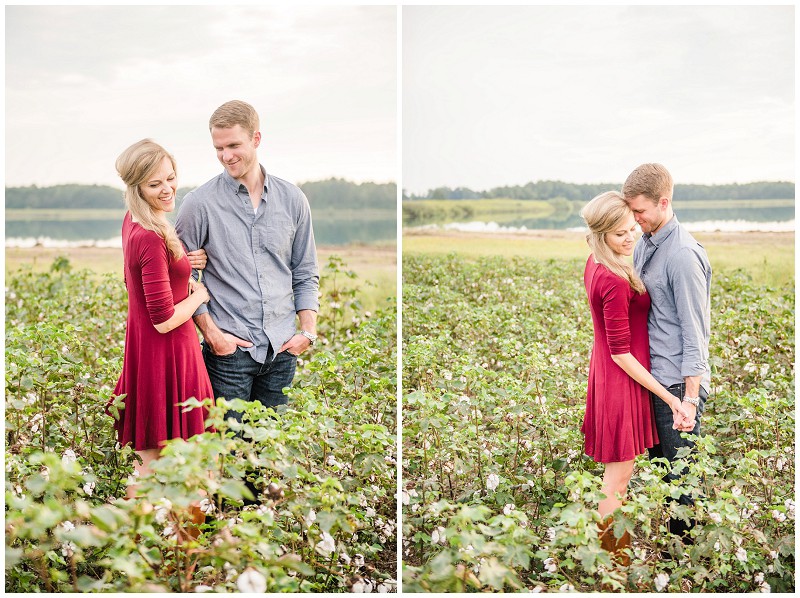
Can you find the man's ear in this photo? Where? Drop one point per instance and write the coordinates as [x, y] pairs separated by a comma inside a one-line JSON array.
[[256, 138], [663, 202]]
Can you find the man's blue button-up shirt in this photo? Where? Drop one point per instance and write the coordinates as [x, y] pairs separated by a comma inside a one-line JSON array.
[[262, 265]]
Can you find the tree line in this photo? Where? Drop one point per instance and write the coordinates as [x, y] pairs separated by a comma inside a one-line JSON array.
[[331, 193], [583, 192]]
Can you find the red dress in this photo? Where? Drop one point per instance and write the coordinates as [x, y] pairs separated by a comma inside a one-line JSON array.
[[159, 370], [619, 422]]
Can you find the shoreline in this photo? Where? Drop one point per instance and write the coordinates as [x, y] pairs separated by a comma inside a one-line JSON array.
[[546, 234]]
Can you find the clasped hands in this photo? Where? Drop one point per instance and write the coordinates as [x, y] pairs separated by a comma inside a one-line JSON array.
[[683, 417]]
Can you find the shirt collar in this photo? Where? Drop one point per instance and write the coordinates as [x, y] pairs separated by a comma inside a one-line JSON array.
[[237, 186], [665, 231]]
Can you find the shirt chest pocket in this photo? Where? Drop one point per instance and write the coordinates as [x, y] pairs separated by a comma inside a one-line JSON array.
[[659, 290], [277, 238]]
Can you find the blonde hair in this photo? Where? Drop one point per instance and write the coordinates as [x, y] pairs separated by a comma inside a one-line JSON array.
[[235, 113], [603, 214], [651, 180], [135, 166]]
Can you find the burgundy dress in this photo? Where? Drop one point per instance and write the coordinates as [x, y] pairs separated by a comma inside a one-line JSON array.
[[619, 422], [159, 370]]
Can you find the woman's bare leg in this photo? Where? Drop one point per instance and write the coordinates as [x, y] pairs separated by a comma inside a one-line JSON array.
[[147, 456], [615, 482]]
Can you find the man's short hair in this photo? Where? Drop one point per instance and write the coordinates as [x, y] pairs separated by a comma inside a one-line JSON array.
[[235, 113], [651, 180]]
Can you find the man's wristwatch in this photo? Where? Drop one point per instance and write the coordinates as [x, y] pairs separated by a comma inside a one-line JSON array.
[[692, 401], [311, 337]]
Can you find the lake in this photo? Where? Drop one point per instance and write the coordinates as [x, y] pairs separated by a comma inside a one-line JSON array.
[[771, 216], [26, 228]]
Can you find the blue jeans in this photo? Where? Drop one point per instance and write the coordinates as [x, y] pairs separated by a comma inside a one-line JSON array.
[[670, 440], [239, 376]]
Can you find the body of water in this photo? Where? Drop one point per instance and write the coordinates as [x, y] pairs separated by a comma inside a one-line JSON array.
[[374, 228], [738, 219]]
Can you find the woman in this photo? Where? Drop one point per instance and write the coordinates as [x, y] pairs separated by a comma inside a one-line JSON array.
[[163, 363], [618, 424]]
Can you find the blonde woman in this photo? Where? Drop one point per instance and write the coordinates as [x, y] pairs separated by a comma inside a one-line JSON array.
[[618, 424], [163, 363]]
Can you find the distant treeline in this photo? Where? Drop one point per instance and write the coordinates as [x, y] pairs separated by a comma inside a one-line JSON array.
[[331, 193], [574, 192]]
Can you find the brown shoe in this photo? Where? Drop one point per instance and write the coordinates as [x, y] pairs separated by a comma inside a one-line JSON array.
[[196, 519], [612, 544]]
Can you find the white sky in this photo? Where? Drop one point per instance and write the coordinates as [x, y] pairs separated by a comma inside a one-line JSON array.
[[85, 82], [512, 94]]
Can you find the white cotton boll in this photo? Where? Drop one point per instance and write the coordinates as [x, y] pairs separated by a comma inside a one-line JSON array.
[[660, 582], [493, 481], [310, 518], [67, 526], [251, 581], [169, 532], [207, 506], [68, 549], [326, 546], [439, 536]]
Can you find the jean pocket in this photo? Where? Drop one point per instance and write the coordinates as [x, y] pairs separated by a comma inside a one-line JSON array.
[[227, 356]]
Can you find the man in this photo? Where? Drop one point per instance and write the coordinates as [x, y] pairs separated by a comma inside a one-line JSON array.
[[675, 270], [262, 269]]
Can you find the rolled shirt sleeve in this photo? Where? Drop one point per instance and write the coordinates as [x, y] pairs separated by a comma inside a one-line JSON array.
[[688, 276], [305, 270]]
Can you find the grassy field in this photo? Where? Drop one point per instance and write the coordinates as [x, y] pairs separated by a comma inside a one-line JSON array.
[[428, 210], [767, 257], [375, 265]]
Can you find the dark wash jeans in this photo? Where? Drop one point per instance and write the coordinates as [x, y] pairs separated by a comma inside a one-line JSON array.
[[239, 376], [670, 440]]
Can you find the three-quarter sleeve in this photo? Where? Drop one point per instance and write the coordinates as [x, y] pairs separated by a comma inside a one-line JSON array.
[[154, 258], [616, 295]]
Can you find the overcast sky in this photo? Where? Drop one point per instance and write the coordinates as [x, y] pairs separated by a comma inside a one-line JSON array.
[[85, 82], [512, 94]]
